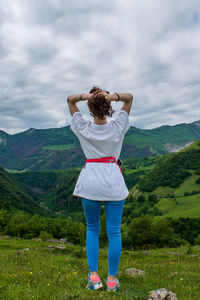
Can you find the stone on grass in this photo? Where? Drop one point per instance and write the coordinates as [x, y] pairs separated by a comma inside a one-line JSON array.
[[37, 240], [7, 236], [53, 241], [63, 240], [50, 247], [26, 249], [134, 272], [71, 244], [162, 294], [61, 247], [145, 252]]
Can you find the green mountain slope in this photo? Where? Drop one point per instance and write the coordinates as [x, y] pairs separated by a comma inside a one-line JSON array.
[[12, 196], [173, 170], [52, 189], [171, 188], [59, 148]]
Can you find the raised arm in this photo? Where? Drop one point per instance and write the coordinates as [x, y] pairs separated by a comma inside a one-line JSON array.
[[127, 98], [73, 99]]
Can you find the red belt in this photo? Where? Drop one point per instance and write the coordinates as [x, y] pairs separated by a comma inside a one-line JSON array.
[[109, 159]]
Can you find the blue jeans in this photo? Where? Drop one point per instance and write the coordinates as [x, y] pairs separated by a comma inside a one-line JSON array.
[[114, 210]]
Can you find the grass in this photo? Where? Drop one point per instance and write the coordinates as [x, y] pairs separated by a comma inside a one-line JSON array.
[[188, 185], [188, 206], [62, 274]]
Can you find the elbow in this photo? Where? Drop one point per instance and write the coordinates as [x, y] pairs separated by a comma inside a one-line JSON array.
[[131, 97], [69, 98]]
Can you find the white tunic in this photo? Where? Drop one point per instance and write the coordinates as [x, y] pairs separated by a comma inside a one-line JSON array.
[[101, 181]]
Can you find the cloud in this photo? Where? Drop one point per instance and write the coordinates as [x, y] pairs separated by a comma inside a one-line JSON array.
[[49, 50]]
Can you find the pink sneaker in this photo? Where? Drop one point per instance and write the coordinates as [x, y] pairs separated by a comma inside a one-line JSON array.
[[112, 285], [94, 282]]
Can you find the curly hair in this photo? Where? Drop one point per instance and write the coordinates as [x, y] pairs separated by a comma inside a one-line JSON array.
[[98, 105]]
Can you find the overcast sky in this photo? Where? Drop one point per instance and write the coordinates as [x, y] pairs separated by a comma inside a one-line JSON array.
[[50, 49]]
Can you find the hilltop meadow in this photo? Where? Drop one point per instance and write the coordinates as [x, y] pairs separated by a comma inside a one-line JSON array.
[[30, 271]]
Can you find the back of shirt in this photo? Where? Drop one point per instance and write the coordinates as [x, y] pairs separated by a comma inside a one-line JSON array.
[[101, 140], [101, 181]]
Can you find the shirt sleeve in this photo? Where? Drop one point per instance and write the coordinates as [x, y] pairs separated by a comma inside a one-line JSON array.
[[122, 121], [78, 122]]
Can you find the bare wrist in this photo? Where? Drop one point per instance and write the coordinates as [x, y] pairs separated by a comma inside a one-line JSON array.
[[86, 96]]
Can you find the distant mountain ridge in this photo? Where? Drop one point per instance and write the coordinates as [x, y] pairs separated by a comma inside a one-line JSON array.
[[59, 148]]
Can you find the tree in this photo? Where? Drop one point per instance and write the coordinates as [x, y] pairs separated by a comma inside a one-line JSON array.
[[140, 198]]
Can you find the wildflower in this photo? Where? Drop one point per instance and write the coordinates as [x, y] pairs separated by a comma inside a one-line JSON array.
[[31, 272], [18, 252], [48, 284]]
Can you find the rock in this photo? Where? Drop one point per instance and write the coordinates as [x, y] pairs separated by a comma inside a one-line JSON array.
[[69, 243], [25, 249], [50, 247], [134, 272], [193, 256], [174, 253], [54, 241], [145, 252], [162, 294], [84, 249], [61, 247], [7, 236], [63, 240], [37, 240]]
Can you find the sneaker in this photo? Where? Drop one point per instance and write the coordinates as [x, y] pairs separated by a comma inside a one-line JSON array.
[[112, 285], [94, 283]]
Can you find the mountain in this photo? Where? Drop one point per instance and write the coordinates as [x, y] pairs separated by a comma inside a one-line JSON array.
[[52, 189], [59, 148], [13, 197], [171, 187], [173, 170]]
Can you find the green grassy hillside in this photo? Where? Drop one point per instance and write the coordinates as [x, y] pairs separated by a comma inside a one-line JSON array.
[[188, 206], [173, 170], [171, 187]]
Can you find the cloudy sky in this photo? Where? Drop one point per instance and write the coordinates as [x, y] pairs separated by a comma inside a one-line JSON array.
[[51, 49]]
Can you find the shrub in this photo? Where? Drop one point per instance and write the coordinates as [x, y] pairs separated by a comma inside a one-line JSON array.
[[197, 240], [140, 198], [198, 180], [45, 235]]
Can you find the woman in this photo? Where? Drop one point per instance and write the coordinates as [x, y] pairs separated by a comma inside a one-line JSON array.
[[101, 178]]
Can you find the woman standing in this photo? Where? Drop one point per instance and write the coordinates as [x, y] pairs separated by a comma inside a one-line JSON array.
[[101, 178]]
